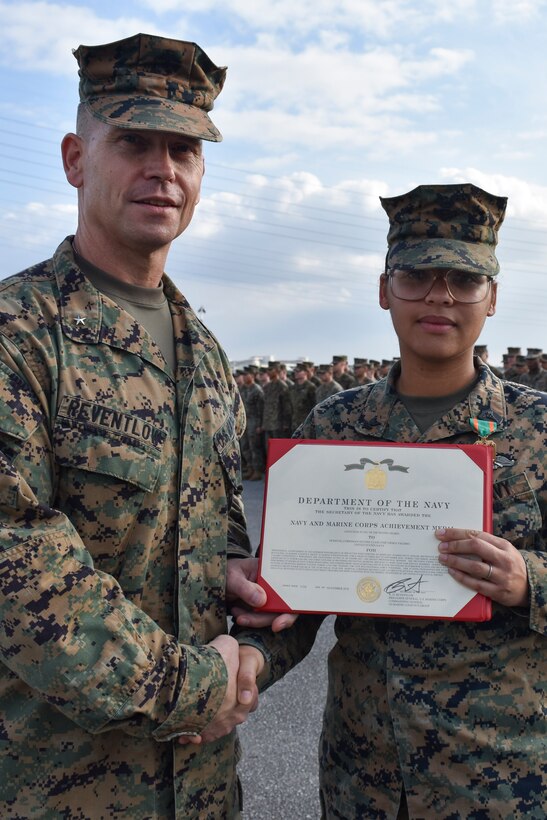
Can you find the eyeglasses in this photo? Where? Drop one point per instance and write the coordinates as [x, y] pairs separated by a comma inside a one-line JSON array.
[[413, 285]]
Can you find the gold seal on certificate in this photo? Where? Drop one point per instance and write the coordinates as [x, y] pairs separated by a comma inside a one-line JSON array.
[[376, 479], [349, 527], [369, 589]]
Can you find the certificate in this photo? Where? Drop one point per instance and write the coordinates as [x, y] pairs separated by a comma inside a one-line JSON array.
[[349, 527]]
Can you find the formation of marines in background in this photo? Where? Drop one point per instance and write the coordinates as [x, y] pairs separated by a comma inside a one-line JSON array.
[[278, 400]]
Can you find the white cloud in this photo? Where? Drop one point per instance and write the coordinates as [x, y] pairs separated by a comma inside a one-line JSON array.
[[40, 36], [439, 62], [336, 79], [516, 11], [40, 226], [161, 6], [328, 98], [526, 200], [381, 18]]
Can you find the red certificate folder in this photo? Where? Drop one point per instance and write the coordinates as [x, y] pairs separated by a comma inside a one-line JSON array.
[[348, 527]]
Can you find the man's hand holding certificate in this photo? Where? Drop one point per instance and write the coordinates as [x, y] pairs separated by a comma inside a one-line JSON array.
[[350, 527]]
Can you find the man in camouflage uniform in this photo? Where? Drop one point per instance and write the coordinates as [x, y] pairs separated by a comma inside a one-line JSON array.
[[384, 367], [263, 377], [536, 377], [283, 375], [341, 373], [302, 395], [520, 369], [251, 444], [328, 387], [375, 365], [239, 380], [362, 371], [276, 417], [482, 352], [509, 360], [431, 718], [313, 378], [119, 476]]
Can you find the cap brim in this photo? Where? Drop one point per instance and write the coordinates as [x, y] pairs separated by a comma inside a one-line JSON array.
[[473, 257], [155, 114]]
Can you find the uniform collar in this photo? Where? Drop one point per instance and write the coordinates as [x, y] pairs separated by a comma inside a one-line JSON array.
[[382, 415], [89, 317]]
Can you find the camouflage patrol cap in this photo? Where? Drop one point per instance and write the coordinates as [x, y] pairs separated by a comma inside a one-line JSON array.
[[338, 359], [360, 362], [444, 226], [533, 352], [151, 82]]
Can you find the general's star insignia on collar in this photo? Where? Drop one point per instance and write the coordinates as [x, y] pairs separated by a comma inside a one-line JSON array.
[[79, 320]]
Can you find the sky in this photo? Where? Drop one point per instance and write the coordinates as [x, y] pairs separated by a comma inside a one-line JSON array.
[[327, 106]]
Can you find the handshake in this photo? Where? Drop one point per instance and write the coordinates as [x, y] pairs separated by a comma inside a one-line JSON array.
[[243, 663]]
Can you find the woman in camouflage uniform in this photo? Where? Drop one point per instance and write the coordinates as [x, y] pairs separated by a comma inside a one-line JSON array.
[[432, 718]]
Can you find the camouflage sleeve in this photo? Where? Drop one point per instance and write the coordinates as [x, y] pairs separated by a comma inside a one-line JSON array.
[[536, 564], [535, 557], [67, 630], [239, 545], [520, 499], [282, 650]]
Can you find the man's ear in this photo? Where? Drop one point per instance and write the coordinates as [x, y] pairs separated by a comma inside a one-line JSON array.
[[72, 150], [383, 291]]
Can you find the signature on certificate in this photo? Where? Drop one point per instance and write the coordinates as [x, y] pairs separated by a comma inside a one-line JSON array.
[[405, 585]]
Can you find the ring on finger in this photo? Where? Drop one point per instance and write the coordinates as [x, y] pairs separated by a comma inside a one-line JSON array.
[[487, 576]]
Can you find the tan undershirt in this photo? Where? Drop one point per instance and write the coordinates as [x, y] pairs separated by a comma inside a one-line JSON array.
[[426, 411], [148, 306]]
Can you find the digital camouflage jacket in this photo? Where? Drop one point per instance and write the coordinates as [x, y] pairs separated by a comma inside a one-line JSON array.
[[303, 399], [119, 502], [276, 414], [253, 401], [454, 711]]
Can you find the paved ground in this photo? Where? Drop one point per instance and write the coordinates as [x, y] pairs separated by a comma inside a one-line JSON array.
[[279, 765]]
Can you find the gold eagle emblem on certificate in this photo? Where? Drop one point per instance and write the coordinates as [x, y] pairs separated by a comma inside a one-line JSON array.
[[369, 589]]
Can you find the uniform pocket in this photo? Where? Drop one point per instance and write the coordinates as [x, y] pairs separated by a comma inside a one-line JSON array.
[[106, 485], [94, 451], [99, 439]]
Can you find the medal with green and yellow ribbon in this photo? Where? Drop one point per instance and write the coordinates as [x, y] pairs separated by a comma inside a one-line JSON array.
[[484, 428]]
